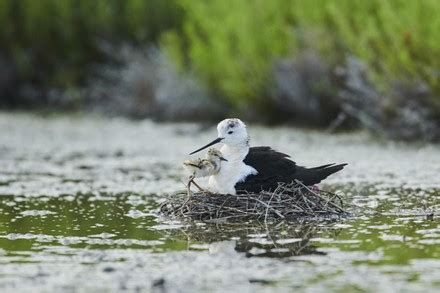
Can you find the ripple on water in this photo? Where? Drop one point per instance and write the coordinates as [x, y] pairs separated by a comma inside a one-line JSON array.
[[36, 213]]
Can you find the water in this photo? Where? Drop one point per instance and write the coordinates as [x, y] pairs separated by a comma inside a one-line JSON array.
[[79, 198]]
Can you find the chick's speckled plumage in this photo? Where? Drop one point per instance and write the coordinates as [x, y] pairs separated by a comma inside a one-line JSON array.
[[207, 166]]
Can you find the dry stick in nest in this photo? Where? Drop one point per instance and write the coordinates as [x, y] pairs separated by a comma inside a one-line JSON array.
[[269, 207], [288, 201], [328, 201]]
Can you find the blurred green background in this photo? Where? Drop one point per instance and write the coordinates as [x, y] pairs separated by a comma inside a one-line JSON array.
[[333, 64]]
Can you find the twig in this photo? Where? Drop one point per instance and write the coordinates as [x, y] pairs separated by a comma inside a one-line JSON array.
[[265, 204], [314, 193]]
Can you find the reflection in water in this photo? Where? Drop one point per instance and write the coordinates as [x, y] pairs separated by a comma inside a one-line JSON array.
[[258, 239], [391, 222], [128, 220]]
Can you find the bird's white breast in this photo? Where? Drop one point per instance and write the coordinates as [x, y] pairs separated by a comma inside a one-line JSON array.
[[231, 172]]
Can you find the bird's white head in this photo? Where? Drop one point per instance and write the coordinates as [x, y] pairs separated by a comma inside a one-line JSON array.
[[231, 132]]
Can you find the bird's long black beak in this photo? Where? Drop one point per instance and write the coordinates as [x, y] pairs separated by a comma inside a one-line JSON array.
[[217, 140], [223, 159]]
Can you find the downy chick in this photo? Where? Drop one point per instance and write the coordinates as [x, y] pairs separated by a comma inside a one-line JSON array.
[[207, 166]]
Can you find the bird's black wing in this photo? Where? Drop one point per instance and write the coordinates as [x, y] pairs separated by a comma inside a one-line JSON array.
[[274, 167]]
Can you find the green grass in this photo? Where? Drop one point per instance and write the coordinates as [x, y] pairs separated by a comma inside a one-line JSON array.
[[230, 45], [54, 41]]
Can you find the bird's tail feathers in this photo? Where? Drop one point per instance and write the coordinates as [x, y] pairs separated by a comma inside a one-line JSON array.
[[331, 168], [322, 167]]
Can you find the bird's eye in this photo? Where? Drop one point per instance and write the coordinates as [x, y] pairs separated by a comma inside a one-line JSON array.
[[230, 132]]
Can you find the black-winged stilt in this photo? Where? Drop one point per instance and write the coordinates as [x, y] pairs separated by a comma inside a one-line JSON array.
[[253, 169]]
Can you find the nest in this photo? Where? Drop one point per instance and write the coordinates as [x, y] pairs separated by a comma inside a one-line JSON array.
[[288, 202]]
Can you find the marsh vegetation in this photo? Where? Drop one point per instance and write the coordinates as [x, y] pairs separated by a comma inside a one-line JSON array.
[[338, 64]]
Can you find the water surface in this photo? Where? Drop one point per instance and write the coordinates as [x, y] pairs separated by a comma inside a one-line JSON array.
[[79, 198]]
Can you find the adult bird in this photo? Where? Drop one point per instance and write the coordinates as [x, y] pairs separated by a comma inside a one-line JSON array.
[[255, 169]]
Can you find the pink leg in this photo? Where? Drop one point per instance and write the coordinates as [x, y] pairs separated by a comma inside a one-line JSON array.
[[315, 188]]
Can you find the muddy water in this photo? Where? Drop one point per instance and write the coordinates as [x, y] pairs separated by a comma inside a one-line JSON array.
[[78, 202]]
